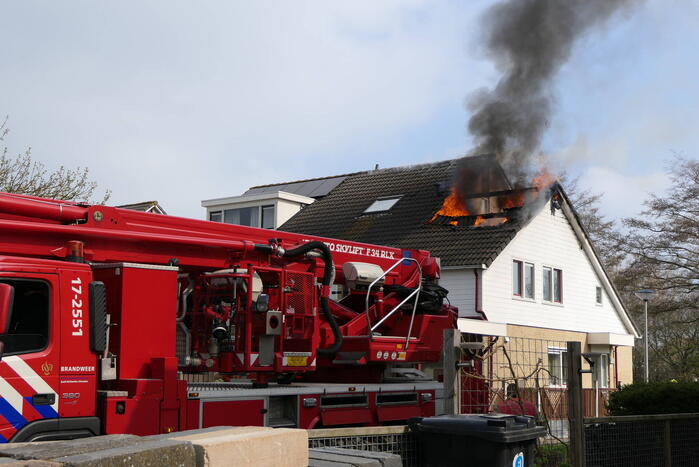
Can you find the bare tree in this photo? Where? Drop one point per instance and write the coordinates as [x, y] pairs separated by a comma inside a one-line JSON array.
[[658, 250], [602, 231], [25, 175], [665, 239], [662, 245]]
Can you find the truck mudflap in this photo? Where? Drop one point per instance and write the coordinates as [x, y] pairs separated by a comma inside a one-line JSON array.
[[57, 428]]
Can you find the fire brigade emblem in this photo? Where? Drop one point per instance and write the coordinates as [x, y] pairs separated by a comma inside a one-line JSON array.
[[47, 368]]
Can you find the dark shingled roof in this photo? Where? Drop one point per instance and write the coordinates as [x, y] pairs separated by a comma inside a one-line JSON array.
[[340, 214], [312, 187]]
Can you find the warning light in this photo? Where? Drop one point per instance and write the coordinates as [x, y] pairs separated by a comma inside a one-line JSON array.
[[75, 251]]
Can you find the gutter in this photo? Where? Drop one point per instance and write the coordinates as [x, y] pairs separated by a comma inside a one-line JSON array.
[[465, 266]]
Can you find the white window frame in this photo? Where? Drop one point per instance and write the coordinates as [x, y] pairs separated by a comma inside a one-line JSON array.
[[382, 204], [559, 373], [522, 268], [552, 299], [599, 296], [524, 281], [518, 282]]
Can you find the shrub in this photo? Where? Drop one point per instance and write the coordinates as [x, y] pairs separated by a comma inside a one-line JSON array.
[[655, 398], [551, 455]]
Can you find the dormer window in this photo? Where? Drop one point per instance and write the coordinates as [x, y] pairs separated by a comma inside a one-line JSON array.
[[382, 204]]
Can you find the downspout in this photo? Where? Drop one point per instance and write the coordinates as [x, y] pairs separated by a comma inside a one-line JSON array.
[[477, 307], [616, 367]]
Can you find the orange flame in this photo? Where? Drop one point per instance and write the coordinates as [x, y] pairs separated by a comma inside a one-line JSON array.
[[515, 200], [543, 179], [454, 223], [453, 206], [479, 220]]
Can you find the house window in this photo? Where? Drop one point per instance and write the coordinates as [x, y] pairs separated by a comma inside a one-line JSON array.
[[381, 205], [243, 216], [517, 278], [553, 285], [215, 216], [267, 217], [528, 280], [558, 366], [598, 295], [558, 286]]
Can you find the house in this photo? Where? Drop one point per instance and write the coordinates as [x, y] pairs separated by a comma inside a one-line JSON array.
[[269, 206], [517, 262], [146, 206]]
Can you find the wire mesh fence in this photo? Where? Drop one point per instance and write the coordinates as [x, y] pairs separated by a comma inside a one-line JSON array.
[[649, 440], [517, 375], [395, 440]]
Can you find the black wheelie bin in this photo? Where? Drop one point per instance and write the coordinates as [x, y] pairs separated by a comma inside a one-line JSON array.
[[497, 440]]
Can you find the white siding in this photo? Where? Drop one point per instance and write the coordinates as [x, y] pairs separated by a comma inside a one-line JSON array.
[[461, 286], [549, 240], [285, 210]]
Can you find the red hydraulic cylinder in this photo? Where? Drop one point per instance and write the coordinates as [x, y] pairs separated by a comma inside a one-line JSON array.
[[43, 209]]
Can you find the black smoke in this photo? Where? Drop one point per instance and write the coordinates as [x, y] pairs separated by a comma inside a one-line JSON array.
[[529, 41]]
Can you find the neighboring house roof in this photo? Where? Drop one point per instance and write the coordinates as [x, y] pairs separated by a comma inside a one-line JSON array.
[[422, 188], [312, 187], [146, 206]]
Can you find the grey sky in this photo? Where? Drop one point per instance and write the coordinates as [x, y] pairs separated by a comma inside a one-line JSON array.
[[182, 101]]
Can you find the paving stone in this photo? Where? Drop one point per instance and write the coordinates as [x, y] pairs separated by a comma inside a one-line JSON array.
[[251, 446], [322, 463], [178, 434], [158, 453], [204, 433], [53, 449], [341, 459], [386, 459], [8, 462]]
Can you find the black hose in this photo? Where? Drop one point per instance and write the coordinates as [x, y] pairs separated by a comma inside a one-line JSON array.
[[328, 273]]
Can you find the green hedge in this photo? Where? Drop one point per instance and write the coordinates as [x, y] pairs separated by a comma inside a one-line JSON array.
[[655, 398], [551, 455]]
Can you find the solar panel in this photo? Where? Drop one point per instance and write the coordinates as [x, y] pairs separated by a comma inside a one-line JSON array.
[[310, 188]]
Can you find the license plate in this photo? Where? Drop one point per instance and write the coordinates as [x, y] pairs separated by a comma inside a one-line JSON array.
[[295, 360]]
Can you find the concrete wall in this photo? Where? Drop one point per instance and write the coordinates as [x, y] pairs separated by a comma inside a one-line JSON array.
[[625, 364]]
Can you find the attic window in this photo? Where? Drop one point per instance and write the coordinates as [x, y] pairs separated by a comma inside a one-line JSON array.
[[382, 204]]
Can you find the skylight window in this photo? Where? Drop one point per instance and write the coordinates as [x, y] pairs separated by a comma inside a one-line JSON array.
[[382, 205]]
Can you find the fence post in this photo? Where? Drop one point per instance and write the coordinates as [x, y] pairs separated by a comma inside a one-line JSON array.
[[667, 444], [575, 406], [452, 399]]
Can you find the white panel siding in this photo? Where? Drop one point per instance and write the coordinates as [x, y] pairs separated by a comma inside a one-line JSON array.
[[461, 286], [285, 210], [549, 240]]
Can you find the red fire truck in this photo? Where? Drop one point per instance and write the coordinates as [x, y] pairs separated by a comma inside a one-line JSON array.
[[116, 321]]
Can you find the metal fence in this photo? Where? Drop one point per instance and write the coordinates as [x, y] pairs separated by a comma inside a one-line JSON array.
[[536, 367], [648, 440], [392, 439]]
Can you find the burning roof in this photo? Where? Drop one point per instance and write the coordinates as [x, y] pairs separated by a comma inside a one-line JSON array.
[[416, 220], [479, 207]]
